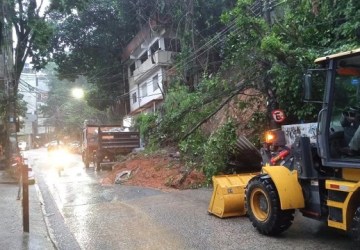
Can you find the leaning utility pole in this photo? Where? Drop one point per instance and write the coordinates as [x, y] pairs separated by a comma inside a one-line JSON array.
[[267, 14]]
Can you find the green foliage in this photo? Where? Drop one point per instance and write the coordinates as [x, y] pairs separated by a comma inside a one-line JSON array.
[[66, 113], [152, 145], [192, 148], [96, 34], [217, 149], [32, 30], [274, 54], [146, 124], [67, 6], [183, 109], [257, 124], [98, 31], [180, 113], [268, 54]]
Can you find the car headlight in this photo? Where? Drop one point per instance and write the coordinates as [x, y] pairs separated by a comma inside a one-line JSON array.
[[60, 156]]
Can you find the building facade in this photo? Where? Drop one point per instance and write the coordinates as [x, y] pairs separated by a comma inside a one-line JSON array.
[[34, 88], [148, 57]]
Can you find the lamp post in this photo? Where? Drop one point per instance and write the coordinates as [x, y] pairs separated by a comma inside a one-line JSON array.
[[75, 93]]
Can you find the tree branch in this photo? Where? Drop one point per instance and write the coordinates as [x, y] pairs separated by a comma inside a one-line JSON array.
[[213, 113]]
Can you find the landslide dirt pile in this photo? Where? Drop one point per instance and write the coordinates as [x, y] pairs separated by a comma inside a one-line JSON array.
[[161, 171]]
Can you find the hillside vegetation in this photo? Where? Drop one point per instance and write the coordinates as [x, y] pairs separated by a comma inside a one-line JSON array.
[[239, 60]]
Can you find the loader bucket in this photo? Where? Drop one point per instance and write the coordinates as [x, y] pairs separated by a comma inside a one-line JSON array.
[[228, 198]]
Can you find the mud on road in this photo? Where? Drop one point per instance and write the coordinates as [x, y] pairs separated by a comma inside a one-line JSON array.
[[160, 171]]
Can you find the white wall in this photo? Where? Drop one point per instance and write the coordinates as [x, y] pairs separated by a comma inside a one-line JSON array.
[[34, 87], [151, 94]]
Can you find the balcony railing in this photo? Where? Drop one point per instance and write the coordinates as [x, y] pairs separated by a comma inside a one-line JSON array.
[[160, 57]]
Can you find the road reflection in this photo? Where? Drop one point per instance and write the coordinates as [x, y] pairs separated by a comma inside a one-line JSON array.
[[65, 175], [86, 215]]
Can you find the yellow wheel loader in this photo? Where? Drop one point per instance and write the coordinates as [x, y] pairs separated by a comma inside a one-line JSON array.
[[312, 167]]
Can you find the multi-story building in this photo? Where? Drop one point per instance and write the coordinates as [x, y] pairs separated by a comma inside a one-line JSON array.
[[34, 88], [148, 57]]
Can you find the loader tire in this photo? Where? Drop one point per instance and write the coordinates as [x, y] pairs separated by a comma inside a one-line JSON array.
[[263, 207], [355, 227]]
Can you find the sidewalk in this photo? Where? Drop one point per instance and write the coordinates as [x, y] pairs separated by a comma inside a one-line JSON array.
[[11, 220]]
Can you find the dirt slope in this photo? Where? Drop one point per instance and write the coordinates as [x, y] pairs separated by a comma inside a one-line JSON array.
[[161, 171]]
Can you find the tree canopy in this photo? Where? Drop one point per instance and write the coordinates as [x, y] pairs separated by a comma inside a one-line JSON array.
[[280, 47], [34, 29], [63, 111], [32, 32], [90, 41], [266, 45], [226, 47]]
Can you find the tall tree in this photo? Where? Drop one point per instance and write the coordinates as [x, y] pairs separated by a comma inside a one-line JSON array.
[[89, 42], [275, 52], [33, 29], [64, 112]]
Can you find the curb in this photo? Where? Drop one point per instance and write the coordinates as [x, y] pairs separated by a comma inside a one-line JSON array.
[[47, 223], [8, 182]]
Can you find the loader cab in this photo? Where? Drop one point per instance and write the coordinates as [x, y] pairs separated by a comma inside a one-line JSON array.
[[339, 118]]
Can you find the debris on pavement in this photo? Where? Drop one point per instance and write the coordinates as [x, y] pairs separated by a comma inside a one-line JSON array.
[[122, 176], [161, 171]]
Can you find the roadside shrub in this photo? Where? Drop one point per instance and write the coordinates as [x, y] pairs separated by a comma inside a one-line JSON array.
[[257, 123], [147, 125], [217, 149], [180, 110], [192, 149], [183, 109]]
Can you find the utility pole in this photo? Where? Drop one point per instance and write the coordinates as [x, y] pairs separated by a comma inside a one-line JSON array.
[[267, 14], [25, 198], [272, 103]]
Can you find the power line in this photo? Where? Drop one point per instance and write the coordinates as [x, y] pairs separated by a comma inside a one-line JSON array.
[[212, 42]]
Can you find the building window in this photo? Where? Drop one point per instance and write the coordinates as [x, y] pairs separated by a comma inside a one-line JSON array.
[[144, 57], [172, 44], [154, 47], [134, 97], [144, 90], [132, 69], [155, 82]]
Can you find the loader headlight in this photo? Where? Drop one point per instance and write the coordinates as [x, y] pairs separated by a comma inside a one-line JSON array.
[[269, 137], [275, 137]]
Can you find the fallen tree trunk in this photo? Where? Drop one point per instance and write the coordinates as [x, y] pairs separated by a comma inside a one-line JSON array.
[[213, 113]]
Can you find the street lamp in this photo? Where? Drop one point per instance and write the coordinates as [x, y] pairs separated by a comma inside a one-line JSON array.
[[58, 119], [77, 93]]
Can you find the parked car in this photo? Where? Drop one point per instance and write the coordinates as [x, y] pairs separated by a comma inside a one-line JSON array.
[[75, 147], [53, 145]]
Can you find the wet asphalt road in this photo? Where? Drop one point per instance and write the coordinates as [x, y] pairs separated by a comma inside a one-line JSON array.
[[82, 214]]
